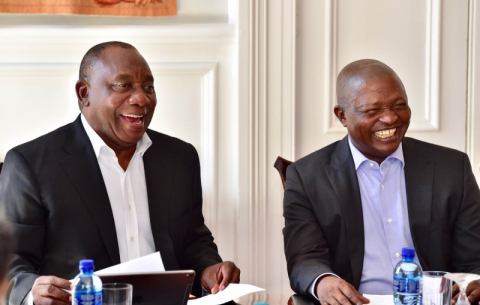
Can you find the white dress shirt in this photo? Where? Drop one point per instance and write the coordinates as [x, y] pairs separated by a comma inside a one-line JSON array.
[[127, 192]]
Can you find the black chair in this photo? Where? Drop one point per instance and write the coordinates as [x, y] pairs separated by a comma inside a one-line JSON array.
[[281, 165]]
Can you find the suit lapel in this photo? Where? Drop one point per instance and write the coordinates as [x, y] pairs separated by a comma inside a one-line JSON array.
[[81, 166], [158, 174], [343, 178], [419, 174]]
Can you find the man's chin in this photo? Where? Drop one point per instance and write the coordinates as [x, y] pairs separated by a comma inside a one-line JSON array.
[[132, 138], [386, 150]]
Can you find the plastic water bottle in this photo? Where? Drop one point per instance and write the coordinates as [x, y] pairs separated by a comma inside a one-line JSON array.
[[407, 280], [87, 287]]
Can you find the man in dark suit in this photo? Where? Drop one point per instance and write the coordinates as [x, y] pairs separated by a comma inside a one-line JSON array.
[[6, 251], [106, 188], [350, 207]]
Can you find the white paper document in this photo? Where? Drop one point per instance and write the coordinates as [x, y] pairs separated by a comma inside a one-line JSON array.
[[233, 291], [148, 263], [376, 299]]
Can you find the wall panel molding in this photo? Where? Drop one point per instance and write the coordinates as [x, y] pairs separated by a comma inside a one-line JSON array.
[[24, 101], [71, 43], [141, 34], [431, 120], [473, 89], [266, 130], [208, 81]]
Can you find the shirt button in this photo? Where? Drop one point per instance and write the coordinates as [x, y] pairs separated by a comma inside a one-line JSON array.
[[397, 254], [129, 207], [389, 220], [371, 164], [382, 186], [132, 239]]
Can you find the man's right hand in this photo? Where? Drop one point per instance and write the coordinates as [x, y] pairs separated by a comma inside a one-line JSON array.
[[47, 290], [334, 291]]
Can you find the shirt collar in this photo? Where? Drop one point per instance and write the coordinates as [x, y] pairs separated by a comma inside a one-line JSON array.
[[98, 143], [359, 158]]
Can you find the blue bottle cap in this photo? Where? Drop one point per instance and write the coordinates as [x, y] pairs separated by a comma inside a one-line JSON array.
[[256, 303], [86, 264], [408, 252]]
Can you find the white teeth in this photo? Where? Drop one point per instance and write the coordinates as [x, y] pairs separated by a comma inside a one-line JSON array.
[[383, 134], [133, 116]]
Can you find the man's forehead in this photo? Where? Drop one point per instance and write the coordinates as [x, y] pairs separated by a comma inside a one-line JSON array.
[[121, 57], [121, 62]]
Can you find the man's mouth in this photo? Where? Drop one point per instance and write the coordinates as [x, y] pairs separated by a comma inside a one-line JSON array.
[[385, 134], [134, 118]]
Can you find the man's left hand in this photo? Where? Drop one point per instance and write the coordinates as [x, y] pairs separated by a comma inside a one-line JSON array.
[[218, 276], [473, 292]]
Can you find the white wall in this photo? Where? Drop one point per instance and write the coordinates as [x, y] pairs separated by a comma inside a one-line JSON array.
[[248, 80]]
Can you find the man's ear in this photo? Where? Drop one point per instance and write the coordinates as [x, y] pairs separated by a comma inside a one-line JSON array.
[[82, 88], [340, 114]]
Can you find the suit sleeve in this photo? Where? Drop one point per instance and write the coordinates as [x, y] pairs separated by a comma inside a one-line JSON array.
[[21, 200], [466, 233], [200, 249], [306, 249]]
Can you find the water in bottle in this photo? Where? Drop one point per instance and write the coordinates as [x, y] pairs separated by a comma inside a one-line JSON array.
[[407, 280], [87, 287]]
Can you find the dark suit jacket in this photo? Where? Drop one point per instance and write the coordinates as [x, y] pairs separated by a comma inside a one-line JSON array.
[[324, 220], [53, 192]]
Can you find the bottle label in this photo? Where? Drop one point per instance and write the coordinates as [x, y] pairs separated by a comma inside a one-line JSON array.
[[406, 285], [88, 298]]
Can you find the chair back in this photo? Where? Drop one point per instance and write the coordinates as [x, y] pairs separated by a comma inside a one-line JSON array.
[[281, 165]]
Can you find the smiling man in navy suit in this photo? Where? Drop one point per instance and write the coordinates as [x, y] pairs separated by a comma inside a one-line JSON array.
[[107, 188], [350, 207]]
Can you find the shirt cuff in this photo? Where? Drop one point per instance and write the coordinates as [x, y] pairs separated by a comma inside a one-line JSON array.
[[29, 299], [204, 292], [311, 288]]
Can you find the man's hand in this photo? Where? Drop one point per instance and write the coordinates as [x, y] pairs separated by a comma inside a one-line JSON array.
[[218, 276], [48, 290], [473, 292], [333, 291]]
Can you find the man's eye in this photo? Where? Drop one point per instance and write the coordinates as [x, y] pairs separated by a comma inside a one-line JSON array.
[[122, 85], [150, 88]]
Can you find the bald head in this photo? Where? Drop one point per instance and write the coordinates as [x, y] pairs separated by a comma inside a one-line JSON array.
[[353, 77]]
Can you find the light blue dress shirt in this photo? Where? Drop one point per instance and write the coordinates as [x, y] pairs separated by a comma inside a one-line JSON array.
[[385, 219]]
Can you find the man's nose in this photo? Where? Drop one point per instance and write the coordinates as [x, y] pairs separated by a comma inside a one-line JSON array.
[[388, 116], [139, 98]]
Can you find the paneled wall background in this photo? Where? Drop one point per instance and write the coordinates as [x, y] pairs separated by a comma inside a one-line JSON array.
[[247, 80]]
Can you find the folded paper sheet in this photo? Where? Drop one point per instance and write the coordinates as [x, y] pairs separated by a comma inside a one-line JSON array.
[[148, 263], [376, 299], [233, 291]]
